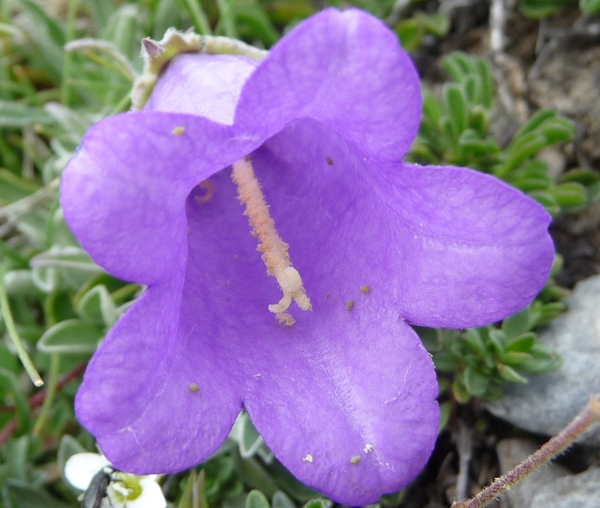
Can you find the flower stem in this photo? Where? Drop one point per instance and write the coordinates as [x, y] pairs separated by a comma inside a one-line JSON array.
[[14, 335], [589, 416]]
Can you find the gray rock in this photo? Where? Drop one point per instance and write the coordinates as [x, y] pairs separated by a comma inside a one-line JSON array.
[[550, 401], [514, 451], [573, 491]]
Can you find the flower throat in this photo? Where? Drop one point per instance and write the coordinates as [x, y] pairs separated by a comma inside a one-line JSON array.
[[274, 250]]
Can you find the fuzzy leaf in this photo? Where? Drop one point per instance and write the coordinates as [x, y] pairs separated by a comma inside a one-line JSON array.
[[256, 499], [71, 337]]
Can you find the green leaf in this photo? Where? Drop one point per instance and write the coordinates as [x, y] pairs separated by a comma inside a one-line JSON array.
[[475, 341], [18, 115], [194, 494], [26, 496], [410, 34], [10, 385], [511, 375], [534, 123], [256, 499], [285, 12], [431, 109], [68, 266], [249, 438], [281, 500], [518, 323], [49, 37], [537, 9], [8, 360], [458, 111], [459, 391], [569, 195], [497, 341], [445, 362], [543, 360], [101, 11], [318, 503], [479, 120], [471, 141], [254, 474], [519, 151], [97, 306], [486, 82], [71, 337], [68, 446], [475, 382], [523, 343], [458, 65], [557, 130], [590, 6], [436, 24], [580, 175], [254, 24], [548, 201]]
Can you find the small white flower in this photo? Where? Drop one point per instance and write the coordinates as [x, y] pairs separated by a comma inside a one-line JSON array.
[[125, 490]]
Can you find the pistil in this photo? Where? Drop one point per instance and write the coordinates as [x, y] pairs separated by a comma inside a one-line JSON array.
[[274, 250]]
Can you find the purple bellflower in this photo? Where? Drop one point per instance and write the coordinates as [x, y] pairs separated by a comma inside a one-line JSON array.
[[310, 335]]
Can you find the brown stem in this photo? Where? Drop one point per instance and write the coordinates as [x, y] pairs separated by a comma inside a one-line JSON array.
[[589, 416]]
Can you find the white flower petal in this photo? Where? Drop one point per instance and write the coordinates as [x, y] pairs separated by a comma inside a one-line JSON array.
[[82, 467], [151, 496]]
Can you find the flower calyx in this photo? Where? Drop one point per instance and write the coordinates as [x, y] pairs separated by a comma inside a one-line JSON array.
[[157, 54]]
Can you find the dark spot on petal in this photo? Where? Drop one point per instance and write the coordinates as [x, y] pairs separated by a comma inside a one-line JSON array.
[[329, 161], [350, 305]]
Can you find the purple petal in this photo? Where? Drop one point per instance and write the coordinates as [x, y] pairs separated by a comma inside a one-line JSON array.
[[474, 250], [139, 395], [344, 69], [123, 194], [449, 247], [203, 85], [347, 401]]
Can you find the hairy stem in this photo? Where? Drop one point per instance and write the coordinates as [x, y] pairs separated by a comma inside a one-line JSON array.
[[589, 416]]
